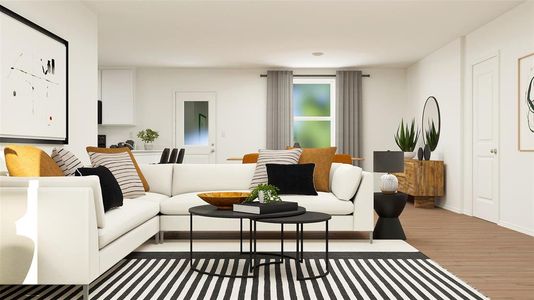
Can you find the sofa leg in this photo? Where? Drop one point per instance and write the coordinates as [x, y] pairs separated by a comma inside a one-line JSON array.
[[156, 238], [370, 237], [161, 238], [85, 292]]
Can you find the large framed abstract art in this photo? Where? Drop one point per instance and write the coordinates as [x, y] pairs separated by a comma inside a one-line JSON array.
[[33, 82], [525, 73]]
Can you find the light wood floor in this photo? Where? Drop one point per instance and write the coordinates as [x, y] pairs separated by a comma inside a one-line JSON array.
[[497, 261]]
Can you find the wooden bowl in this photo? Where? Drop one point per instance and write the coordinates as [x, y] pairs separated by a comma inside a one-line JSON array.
[[224, 200]]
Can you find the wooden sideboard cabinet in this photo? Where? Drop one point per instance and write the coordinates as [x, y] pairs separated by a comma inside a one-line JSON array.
[[424, 180]]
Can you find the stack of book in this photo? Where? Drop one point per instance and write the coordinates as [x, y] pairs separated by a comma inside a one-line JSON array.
[[265, 208]]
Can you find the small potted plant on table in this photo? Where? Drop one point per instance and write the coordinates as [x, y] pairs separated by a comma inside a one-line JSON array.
[[266, 193]]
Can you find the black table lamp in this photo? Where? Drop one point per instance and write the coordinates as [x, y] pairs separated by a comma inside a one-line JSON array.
[[388, 162]]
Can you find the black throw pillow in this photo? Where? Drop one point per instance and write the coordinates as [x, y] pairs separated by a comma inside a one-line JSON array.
[[292, 179], [111, 191]]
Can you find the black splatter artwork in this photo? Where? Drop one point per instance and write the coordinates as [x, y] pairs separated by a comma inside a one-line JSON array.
[[529, 97]]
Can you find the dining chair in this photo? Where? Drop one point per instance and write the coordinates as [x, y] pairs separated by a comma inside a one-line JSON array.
[[181, 155], [164, 156], [174, 156]]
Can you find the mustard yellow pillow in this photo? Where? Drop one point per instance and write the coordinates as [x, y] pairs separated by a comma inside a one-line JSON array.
[[322, 158], [29, 161], [120, 150]]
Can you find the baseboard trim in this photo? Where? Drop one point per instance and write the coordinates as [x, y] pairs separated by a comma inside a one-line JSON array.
[[513, 227], [450, 208]]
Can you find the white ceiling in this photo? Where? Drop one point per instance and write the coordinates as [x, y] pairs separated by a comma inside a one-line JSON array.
[[282, 33]]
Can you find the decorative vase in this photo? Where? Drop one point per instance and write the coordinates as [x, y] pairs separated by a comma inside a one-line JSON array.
[[389, 184], [420, 153], [149, 146], [261, 196], [427, 152], [409, 155]]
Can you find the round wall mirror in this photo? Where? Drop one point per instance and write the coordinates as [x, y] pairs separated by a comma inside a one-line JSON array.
[[431, 123]]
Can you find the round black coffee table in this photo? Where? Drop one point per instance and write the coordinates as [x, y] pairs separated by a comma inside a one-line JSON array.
[[212, 212], [389, 207], [299, 220]]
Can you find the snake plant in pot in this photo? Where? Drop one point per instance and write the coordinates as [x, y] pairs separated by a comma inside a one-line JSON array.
[[406, 138], [432, 135]]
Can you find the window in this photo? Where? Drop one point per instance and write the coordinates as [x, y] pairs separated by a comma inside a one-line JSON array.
[[313, 112]]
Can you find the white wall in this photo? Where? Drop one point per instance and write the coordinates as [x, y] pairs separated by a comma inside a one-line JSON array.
[[440, 75], [241, 96], [511, 36], [384, 105], [446, 74], [241, 102], [77, 24]]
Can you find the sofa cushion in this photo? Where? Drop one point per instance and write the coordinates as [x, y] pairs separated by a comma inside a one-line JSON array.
[[90, 150], [344, 180], [111, 191], [159, 177], [322, 158], [283, 157], [151, 197], [323, 202], [188, 178], [180, 204], [66, 161], [131, 214], [292, 179], [29, 161], [123, 168]]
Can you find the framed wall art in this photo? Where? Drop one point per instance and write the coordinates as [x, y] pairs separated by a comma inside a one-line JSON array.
[[525, 75], [33, 82]]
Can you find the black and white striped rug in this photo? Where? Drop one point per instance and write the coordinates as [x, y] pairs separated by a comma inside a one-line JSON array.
[[166, 275]]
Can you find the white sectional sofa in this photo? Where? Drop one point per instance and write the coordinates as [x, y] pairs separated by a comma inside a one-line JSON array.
[[59, 222]]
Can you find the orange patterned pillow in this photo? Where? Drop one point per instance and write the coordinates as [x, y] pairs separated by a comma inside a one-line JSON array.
[[322, 158], [29, 161]]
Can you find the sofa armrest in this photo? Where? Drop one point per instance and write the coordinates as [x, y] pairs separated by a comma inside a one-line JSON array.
[[364, 204], [92, 182], [48, 235]]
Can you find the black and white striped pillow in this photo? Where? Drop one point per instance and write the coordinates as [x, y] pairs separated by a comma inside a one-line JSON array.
[[122, 167], [66, 161], [282, 157]]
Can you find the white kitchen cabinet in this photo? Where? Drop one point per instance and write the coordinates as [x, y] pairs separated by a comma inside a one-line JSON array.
[[117, 95]]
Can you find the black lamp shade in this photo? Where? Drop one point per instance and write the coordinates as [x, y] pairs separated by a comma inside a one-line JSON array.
[[388, 161]]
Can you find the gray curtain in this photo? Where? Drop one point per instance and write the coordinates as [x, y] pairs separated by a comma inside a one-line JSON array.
[[348, 112], [279, 109]]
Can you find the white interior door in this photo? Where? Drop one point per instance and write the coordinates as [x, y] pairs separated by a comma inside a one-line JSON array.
[[195, 126], [486, 139]]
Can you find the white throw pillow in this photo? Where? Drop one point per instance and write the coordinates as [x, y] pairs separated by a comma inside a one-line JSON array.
[[66, 161], [345, 181], [282, 157], [121, 166]]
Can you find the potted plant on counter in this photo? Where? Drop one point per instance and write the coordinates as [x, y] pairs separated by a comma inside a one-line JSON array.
[[406, 138], [148, 136]]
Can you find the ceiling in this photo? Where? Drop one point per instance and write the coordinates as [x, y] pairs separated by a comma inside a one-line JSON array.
[[249, 34]]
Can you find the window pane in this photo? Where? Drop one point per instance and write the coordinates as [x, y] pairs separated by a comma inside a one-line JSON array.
[[312, 134], [196, 123], [311, 100]]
